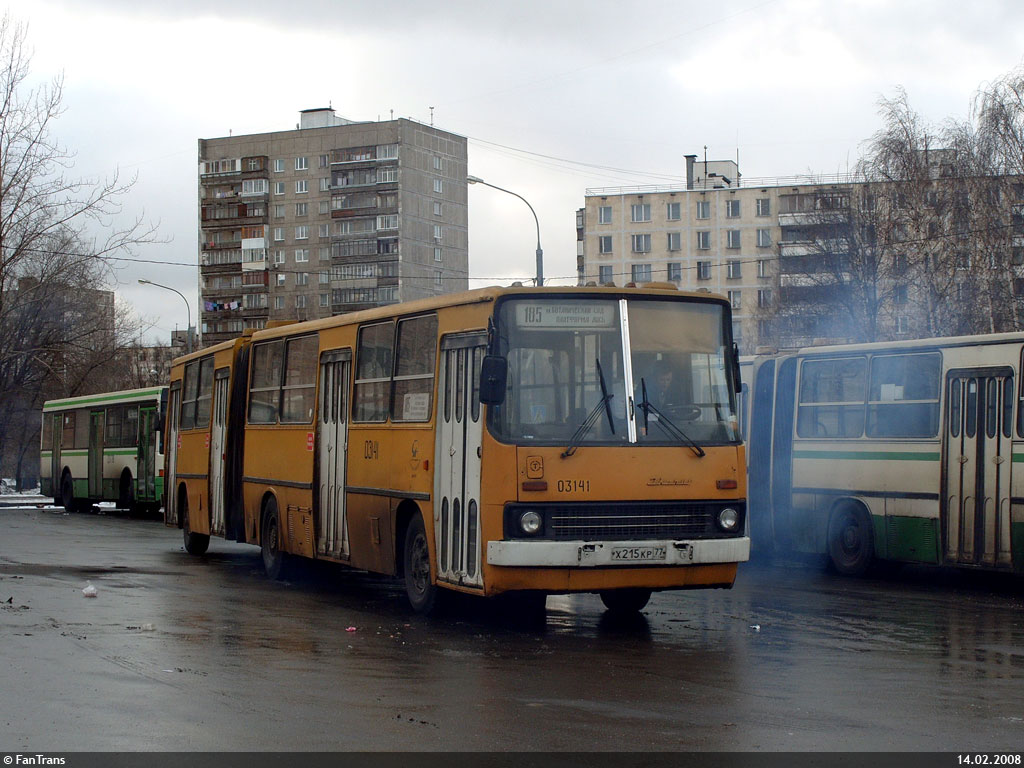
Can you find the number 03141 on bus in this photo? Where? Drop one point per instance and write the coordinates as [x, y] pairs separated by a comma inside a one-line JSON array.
[[501, 440]]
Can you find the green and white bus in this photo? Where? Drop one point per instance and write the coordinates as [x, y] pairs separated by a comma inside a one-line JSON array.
[[903, 451], [105, 447]]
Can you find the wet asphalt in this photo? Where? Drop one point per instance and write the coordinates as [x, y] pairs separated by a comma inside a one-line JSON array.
[[184, 653]]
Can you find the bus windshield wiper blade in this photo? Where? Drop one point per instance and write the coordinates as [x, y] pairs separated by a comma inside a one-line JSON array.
[[588, 423], [667, 425]]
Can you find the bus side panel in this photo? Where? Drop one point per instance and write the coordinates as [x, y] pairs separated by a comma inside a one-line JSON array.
[[367, 499], [281, 458], [759, 457], [193, 460]]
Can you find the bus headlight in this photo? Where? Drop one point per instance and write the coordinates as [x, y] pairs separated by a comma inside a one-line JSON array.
[[728, 519], [530, 523]]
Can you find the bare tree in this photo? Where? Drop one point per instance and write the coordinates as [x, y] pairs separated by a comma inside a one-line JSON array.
[[57, 323]]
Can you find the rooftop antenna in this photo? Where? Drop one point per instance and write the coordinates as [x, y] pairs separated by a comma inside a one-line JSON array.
[[431, 117], [392, 114]]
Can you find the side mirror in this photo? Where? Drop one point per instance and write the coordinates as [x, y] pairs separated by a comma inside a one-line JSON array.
[[493, 379]]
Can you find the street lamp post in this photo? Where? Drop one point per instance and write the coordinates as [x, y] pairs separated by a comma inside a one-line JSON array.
[[540, 252], [188, 312]]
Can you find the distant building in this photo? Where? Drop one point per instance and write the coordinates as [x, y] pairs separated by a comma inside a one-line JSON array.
[[765, 244], [331, 217]]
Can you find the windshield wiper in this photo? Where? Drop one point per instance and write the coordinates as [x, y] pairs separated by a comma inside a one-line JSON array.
[[593, 417], [665, 422]]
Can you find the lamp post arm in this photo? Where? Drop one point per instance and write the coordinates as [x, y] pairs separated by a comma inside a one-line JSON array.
[[188, 311], [540, 252]]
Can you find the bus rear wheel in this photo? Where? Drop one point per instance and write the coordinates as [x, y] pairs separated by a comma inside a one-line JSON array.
[[424, 597], [623, 601], [850, 540], [274, 558], [195, 543]]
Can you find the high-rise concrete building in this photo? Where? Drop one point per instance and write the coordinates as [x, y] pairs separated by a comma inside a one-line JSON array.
[[331, 217]]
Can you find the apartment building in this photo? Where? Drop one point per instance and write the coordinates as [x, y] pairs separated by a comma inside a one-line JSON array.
[[331, 217]]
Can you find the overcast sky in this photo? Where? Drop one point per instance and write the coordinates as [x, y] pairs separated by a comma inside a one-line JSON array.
[[555, 97]]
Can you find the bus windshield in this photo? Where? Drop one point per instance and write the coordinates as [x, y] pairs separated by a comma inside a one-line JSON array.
[[666, 377]]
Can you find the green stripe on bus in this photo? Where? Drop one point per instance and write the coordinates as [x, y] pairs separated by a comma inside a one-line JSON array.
[[121, 451], [58, 404], [869, 455], [74, 453], [1018, 458]]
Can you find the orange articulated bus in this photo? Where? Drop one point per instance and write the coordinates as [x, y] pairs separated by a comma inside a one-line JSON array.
[[540, 441]]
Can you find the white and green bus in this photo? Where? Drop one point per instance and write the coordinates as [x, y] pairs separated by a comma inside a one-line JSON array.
[[105, 447], [903, 451]]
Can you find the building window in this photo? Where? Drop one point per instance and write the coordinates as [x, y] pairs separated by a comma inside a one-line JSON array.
[[734, 300], [703, 209], [302, 232], [437, 163], [279, 165], [764, 238], [325, 299], [279, 302], [301, 186], [604, 275], [438, 255], [301, 278], [438, 186], [641, 243], [437, 279], [279, 211], [300, 301], [438, 210], [734, 269], [325, 185], [604, 244], [387, 221], [641, 212], [733, 238], [280, 279], [764, 298], [703, 270], [302, 254], [640, 273], [301, 209], [674, 212], [278, 234], [732, 209], [325, 160], [325, 230], [279, 257], [301, 163], [764, 206], [278, 187], [675, 241], [325, 207], [387, 175], [675, 271], [437, 233], [323, 277], [325, 254], [902, 324], [762, 268], [604, 214], [900, 294], [254, 187], [704, 240]]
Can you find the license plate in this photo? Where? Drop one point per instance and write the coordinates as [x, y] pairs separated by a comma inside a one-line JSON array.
[[638, 554]]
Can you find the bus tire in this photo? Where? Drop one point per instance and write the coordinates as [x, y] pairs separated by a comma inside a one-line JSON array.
[[424, 596], [851, 541], [274, 558], [126, 492], [67, 492], [623, 601], [195, 543]]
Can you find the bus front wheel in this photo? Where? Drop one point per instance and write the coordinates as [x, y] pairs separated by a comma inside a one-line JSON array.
[[850, 540], [195, 543], [423, 596], [623, 601], [270, 542]]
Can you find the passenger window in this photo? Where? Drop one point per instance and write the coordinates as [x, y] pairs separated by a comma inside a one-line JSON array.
[[904, 395], [832, 398], [190, 395], [115, 418], [205, 395], [414, 369], [954, 407], [265, 384], [972, 408], [373, 372], [299, 392], [1007, 406]]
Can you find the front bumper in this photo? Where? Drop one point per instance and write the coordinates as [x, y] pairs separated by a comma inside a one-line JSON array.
[[598, 554]]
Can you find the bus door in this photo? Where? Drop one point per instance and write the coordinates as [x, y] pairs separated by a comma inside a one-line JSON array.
[[97, 420], [146, 468], [457, 460], [217, 449], [332, 450], [171, 456], [977, 457], [55, 442]]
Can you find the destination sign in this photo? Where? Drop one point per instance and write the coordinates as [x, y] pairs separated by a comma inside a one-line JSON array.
[[564, 315]]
